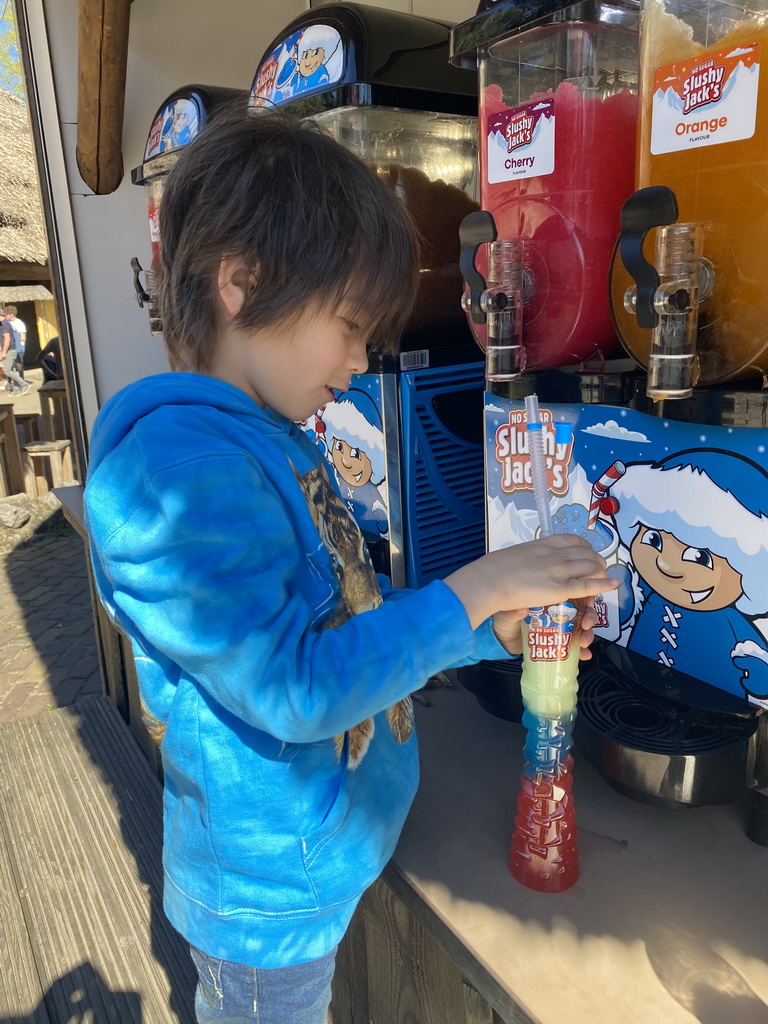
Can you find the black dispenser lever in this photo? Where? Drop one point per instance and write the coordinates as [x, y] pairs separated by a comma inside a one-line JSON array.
[[476, 228], [142, 295], [647, 208]]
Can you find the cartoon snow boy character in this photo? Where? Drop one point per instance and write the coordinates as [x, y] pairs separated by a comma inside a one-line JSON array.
[[562, 615], [179, 126], [537, 618], [306, 68], [696, 526], [355, 443]]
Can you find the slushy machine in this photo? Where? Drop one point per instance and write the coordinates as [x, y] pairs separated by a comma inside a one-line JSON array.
[[661, 461], [181, 117], [405, 441]]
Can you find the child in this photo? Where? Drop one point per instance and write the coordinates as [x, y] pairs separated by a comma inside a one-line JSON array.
[[275, 668]]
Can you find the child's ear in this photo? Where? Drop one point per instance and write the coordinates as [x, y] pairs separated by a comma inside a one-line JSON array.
[[235, 282]]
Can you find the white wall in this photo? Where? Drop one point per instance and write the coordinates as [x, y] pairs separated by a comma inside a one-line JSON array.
[[445, 10], [171, 44]]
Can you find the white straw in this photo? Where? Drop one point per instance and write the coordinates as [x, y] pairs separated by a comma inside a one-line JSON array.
[[538, 464]]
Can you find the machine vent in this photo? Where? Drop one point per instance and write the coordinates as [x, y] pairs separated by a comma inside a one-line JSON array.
[[615, 709]]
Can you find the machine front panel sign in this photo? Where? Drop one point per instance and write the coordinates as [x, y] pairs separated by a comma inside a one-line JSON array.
[[678, 511], [304, 62], [706, 100], [521, 142], [350, 437]]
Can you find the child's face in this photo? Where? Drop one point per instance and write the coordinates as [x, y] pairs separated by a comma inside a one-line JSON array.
[[689, 577], [352, 464], [295, 371]]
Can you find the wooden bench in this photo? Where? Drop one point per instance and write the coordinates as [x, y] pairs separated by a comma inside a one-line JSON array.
[[82, 929], [47, 464]]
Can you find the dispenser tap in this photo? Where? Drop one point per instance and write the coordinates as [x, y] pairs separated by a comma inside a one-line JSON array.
[[146, 296], [666, 295], [142, 295], [499, 301]]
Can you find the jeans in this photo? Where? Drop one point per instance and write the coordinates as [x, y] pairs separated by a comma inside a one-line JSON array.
[[230, 993], [8, 370]]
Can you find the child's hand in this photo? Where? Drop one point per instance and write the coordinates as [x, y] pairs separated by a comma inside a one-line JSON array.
[[509, 632], [558, 568]]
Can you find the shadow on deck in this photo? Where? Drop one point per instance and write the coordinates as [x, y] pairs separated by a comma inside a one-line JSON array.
[[81, 922]]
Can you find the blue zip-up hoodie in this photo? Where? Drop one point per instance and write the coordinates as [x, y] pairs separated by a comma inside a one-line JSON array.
[[280, 702]]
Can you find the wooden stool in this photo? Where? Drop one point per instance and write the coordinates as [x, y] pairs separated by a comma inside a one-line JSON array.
[[47, 464], [12, 465], [53, 405], [29, 422]]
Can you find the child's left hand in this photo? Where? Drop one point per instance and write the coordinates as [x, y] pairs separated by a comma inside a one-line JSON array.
[[509, 631]]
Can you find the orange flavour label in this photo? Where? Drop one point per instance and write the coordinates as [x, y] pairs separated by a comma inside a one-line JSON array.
[[707, 100]]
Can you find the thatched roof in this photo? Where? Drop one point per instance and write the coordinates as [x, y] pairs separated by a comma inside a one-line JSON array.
[[24, 293], [22, 227]]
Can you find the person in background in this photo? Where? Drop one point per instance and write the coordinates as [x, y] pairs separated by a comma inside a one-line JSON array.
[[9, 356], [49, 360], [20, 337], [275, 668]]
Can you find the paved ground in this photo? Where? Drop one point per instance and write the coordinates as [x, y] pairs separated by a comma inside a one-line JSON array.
[[47, 639], [29, 402]]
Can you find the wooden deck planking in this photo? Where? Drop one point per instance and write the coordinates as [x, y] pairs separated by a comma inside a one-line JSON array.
[[20, 987], [84, 809]]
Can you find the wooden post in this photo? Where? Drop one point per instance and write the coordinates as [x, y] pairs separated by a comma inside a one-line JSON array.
[[102, 63]]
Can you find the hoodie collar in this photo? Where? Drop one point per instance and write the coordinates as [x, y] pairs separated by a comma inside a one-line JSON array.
[[121, 412]]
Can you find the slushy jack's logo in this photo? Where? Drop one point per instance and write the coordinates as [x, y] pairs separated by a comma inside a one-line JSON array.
[[519, 132], [265, 82], [550, 631], [513, 454], [548, 644], [601, 610], [704, 85]]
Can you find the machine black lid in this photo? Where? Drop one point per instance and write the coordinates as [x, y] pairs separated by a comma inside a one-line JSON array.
[[498, 19], [356, 55], [180, 117]]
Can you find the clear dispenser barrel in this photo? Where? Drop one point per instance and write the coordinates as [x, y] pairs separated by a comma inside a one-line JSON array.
[[557, 125], [704, 135], [504, 352], [430, 162], [673, 360]]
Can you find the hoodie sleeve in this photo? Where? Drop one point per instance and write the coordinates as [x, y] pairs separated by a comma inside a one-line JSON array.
[[486, 646], [206, 576]]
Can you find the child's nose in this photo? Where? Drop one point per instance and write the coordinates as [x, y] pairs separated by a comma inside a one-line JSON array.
[[359, 360]]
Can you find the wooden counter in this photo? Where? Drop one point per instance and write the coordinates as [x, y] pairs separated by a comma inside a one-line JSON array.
[[668, 923]]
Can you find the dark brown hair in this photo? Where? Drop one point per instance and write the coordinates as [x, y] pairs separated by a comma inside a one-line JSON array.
[[314, 222]]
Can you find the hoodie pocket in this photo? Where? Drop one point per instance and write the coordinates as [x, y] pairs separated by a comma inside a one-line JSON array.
[[314, 842], [349, 849]]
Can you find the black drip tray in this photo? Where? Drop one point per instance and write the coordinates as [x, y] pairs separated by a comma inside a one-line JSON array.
[[657, 750], [616, 708], [496, 684]]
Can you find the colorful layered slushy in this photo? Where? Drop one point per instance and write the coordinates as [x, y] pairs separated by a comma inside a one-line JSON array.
[[544, 855]]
